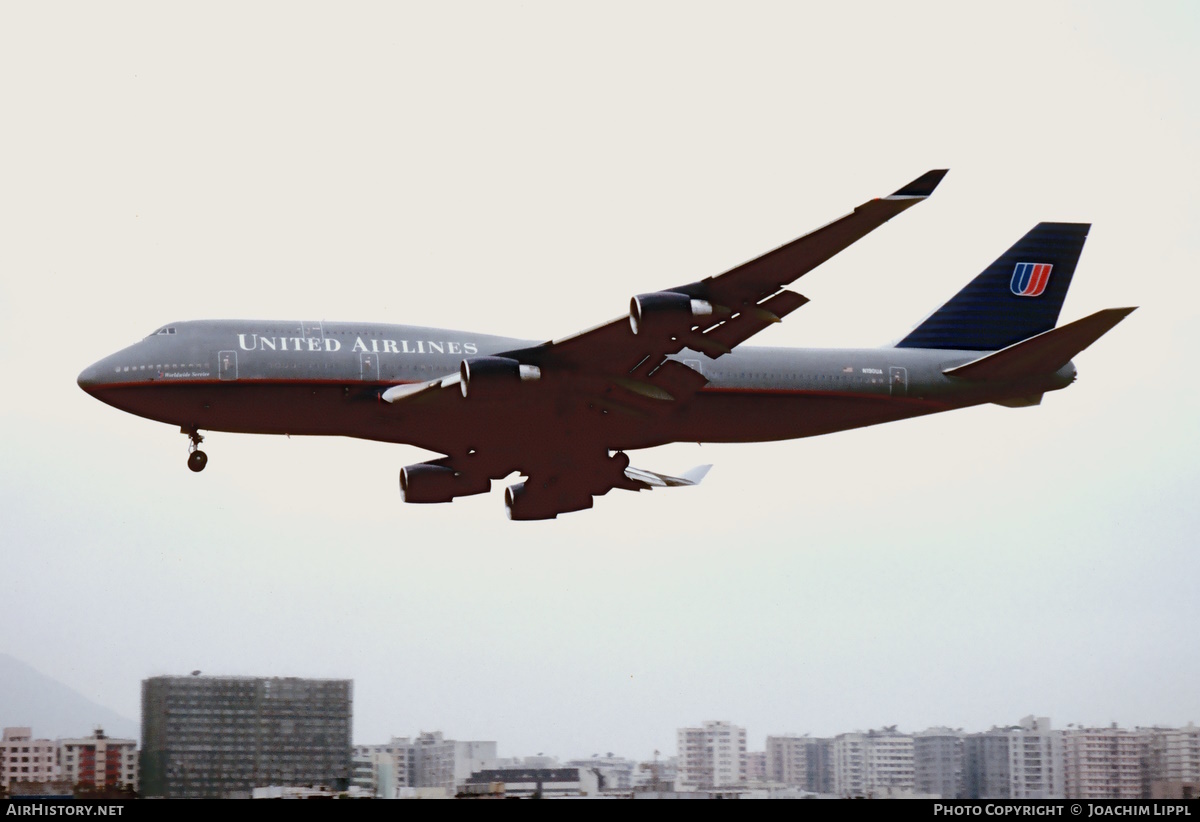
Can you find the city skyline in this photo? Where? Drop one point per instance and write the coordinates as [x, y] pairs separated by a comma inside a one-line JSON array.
[[297, 734], [527, 170], [10, 715]]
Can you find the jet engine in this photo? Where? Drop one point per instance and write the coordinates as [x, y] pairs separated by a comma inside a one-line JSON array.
[[490, 377], [525, 504], [430, 482], [666, 308]]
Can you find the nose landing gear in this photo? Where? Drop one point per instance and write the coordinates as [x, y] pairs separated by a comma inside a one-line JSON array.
[[197, 459]]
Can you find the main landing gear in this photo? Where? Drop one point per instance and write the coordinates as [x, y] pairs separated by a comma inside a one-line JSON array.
[[197, 459]]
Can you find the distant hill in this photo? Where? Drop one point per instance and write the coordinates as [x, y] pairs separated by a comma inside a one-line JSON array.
[[54, 711]]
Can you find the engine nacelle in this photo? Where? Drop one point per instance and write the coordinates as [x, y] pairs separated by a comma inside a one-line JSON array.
[[429, 482], [484, 377], [648, 312], [522, 504]]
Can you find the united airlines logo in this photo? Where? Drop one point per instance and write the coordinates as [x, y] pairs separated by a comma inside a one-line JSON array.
[[371, 345], [1030, 279]]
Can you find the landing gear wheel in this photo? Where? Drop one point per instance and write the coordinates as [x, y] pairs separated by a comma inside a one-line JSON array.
[[197, 460]]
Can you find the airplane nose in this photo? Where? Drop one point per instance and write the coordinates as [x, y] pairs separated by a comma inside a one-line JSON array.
[[87, 378], [90, 378]]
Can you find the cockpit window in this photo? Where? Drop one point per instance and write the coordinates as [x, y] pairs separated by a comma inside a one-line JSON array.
[[166, 329]]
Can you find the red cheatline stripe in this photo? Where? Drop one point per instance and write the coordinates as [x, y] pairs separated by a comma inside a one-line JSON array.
[[244, 381]]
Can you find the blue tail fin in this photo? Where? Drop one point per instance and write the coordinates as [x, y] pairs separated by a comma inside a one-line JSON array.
[[1016, 297]]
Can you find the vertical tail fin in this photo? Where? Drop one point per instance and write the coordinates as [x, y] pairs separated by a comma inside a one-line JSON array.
[[1016, 297]]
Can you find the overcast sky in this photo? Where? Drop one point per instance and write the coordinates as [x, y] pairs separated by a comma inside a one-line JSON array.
[[523, 169]]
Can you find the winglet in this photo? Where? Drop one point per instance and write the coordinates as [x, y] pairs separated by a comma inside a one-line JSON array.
[[695, 475], [923, 186]]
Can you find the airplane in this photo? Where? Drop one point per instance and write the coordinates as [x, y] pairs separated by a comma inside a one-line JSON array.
[[563, 413]]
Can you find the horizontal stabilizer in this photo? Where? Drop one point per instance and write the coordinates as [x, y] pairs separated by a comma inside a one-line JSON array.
[[1042, 354], [654, 480]]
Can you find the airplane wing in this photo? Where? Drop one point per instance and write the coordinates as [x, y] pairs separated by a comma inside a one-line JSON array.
[[711, 316], [622, 366], [716, 314]]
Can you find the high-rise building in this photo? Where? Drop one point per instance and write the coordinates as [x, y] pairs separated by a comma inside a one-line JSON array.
[[800, 762], [429, 761], [446, 763], [1175, 754], [208, 736], [820, 766], [938, 762], [383, 770], [1017, 762], [25, 759], [1104, 763], [787, 760], [865, 764], [711, 756], [97, 761], [756, 767]]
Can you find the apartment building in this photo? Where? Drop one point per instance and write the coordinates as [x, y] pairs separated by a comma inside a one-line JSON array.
[[711, 756]]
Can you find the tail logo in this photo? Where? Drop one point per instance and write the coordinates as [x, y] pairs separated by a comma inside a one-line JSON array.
[[1030, 279]]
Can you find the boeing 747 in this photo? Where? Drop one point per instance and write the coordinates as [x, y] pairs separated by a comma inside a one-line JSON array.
[[563, 413]]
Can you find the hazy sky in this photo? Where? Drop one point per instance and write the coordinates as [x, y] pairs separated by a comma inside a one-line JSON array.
[[524, 169]]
